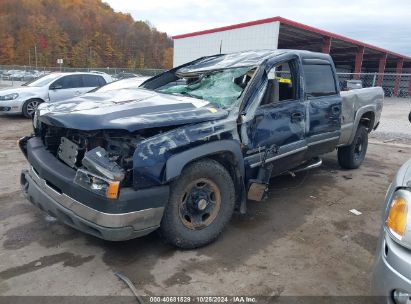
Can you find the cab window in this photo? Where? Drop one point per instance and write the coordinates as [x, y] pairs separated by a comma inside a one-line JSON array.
[[319, 80], [282, 83]]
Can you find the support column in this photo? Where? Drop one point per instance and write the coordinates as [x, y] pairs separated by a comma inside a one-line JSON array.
[[326, 47], [398, 70], [381, 69], [358, 61]]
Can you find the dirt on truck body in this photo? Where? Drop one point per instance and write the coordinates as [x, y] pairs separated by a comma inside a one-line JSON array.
[[188, 147]]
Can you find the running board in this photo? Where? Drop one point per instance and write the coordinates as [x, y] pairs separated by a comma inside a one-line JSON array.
[[314, 163]]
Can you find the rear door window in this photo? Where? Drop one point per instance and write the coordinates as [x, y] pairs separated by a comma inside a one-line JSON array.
[[319, 80], [90, 81]]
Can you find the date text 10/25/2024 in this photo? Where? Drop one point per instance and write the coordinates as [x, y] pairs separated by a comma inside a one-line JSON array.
[[205, 299]]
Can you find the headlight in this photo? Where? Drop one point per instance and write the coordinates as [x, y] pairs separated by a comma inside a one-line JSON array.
[[9, 96], [398, 221], [97, 184]]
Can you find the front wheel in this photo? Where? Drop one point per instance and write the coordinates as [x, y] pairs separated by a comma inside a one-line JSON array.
[[30, 107], [201, 204], [352, 156]]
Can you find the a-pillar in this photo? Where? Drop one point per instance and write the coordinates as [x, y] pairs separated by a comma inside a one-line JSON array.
[[326, 47], [381, 69], [398, 70], [358, 62]]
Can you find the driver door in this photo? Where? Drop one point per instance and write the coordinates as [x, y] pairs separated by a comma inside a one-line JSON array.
[[279, 122]]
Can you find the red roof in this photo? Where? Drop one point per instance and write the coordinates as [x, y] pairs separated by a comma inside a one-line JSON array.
[[293, 24]]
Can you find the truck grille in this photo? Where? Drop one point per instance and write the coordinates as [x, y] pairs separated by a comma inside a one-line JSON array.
[[52, 137]]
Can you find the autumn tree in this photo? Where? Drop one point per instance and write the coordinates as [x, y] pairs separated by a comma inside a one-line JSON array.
[[85, 33]]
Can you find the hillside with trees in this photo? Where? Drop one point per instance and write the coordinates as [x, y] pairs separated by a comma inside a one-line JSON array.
[[85, 33]]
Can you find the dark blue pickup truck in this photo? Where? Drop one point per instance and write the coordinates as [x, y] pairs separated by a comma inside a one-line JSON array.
[[192, 145]]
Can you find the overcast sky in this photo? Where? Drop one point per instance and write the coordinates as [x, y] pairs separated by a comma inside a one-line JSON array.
[[383, 23]]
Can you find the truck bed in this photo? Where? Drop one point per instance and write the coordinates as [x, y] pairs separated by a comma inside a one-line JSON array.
[[354, 104]]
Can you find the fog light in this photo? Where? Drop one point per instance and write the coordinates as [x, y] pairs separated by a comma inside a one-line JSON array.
[[401, 297], [97, 184]]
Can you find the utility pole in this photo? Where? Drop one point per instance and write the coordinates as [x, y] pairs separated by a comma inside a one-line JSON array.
[[89, 59], [29, 58], [35, 53]]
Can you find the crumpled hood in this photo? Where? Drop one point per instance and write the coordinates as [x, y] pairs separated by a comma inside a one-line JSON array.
[[127, 109]]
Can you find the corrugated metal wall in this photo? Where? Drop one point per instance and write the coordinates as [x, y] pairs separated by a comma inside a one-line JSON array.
[[262, 36]]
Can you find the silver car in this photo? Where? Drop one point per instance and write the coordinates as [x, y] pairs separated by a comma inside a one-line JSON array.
[[392, 266], [126, 83], [49, 88]]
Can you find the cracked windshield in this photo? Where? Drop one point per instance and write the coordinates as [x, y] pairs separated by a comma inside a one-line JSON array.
[[220, 88]]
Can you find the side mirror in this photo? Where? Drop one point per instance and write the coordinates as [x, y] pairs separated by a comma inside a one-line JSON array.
[[56, 87], [409, 117]]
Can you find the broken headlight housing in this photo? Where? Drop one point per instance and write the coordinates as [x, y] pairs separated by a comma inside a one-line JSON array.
[[36, 119], [97, 184], [398, 222], [98, 161], [100, 174]]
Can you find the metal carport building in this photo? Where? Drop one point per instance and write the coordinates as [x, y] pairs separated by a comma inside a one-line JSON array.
[[349, 55]]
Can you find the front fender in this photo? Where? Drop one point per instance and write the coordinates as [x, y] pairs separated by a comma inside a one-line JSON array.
[[156, 160], [177, 162]]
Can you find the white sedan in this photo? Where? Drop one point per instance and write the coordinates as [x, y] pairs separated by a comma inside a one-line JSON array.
[[49, 88], [126, 83]]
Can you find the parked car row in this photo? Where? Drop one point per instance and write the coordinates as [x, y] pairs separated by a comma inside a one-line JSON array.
[[22, 75], [48, 88], [26, 75]]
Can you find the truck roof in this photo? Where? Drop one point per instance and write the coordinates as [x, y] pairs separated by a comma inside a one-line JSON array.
[[244, 59]]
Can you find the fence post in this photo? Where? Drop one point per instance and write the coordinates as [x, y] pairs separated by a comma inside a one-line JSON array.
[[398, 71], [409, 85], [374, 79]]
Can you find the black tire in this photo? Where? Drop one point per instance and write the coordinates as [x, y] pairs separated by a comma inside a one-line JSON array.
[[352, 156], [30, 106], [179, 225]]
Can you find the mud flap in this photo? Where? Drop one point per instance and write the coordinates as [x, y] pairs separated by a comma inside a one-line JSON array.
[[258, 187]]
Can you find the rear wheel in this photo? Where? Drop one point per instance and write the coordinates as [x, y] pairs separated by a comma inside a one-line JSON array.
[[30, 107], [352, 156], [201, 204]]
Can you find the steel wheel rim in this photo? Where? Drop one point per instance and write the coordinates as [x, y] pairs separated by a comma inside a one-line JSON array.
[[199, 204], [32, 107], [358, 149]]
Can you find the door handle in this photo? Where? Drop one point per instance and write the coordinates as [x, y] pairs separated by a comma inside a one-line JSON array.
[[336, 110], [297, 116], [77, 93]]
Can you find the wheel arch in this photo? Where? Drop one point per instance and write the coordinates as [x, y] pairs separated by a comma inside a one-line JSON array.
[[35, 98], [225, 152], [31, 98], [367, 120], [365, 117], [176, 163]]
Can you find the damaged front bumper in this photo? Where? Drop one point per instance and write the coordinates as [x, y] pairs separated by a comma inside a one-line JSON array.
[[48, 184]]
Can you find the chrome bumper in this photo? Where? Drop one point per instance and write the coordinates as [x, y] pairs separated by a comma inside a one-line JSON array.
[[109, 226]]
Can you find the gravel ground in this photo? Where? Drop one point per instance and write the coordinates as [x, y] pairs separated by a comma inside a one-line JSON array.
[[394, 125], [301, 241]]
